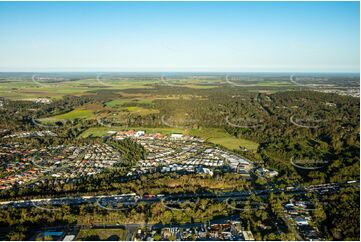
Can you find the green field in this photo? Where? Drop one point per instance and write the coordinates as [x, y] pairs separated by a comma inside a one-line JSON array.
[[218, 136], [115, 103], [141, 111], [75, 114], [102, 234], [120, 102]]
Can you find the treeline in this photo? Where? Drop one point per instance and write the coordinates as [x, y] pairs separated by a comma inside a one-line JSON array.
[[114, 182]]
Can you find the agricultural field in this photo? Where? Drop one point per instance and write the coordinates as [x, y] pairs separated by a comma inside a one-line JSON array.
[[31, 88], [28, 90]]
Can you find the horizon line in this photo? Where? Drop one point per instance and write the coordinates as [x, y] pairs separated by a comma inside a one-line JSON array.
[[186, 71]]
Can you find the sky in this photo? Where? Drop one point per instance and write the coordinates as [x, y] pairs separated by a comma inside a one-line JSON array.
[[180, 36]]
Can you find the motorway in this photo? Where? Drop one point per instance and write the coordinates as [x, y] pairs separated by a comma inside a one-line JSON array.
[[126, 200]]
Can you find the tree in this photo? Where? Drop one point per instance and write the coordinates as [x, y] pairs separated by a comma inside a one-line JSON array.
[[17, 234]]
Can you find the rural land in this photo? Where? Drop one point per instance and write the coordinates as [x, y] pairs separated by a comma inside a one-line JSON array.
[[179, 156]]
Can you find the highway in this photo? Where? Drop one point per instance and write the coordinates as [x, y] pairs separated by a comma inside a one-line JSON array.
[[125, 200]]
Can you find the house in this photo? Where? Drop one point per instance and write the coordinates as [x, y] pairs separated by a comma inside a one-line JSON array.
[[139, 133], [176, 136], [206, 171], [272, 173], [69, 237], [42, 100], [263, 172], [289, 206], [166, 233], [301, 221]]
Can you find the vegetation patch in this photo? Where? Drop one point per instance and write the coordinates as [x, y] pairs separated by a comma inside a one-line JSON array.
[[102, 234], [75, 114], [141, 111], [220, 137]]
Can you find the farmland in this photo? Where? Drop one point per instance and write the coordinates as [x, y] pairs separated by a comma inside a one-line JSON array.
[[20, 89]]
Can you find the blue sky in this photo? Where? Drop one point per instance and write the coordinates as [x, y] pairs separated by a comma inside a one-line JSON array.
[[180, 36]]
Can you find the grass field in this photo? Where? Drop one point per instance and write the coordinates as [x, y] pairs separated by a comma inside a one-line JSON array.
[[119, 102], [141, 111], [116, 103], [102, 234], [75, 114], [218, 136]]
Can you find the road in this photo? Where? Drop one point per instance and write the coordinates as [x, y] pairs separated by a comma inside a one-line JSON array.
[[126, 200]]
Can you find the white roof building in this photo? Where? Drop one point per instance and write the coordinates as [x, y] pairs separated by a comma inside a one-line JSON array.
[[176, 136], [69, 237], [139, 133]]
